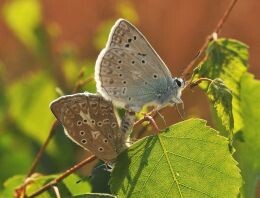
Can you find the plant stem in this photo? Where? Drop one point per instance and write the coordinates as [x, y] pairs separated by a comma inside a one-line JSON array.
[[42, 149], [63, 176]]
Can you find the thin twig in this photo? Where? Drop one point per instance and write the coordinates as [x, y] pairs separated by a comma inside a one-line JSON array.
[[188, 70], [20, 190], [81, 83], [42, 149], [63, 176]]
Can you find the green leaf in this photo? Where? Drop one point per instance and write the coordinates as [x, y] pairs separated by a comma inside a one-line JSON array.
[[221, 98], [75, 185], [11, 156], [99, 179], [227, 59], [29, 100], [188, 160], [248, 150], [95, 195], [11, 184], [23, 17]]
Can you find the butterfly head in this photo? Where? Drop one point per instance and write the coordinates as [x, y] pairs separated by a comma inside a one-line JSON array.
[[178, 84]]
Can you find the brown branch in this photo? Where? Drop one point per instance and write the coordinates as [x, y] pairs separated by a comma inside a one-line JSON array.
[[188, 70], [63, 176], [81, 83], [21, 189]]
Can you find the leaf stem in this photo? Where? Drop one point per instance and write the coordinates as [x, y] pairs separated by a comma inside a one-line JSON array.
[[200, 80]]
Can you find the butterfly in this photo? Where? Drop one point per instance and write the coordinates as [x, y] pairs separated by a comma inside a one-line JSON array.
[[131, 74], [90, 121]]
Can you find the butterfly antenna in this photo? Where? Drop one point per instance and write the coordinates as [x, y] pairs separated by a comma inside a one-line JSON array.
[[184, 74], [56, 191], [180, 114], [162, 117]]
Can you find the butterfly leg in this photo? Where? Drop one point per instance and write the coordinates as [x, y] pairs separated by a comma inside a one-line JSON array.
[[162, 117], [182, 115], [149, 117]]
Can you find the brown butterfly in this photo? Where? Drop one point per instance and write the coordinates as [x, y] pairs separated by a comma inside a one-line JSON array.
[[90, 121]]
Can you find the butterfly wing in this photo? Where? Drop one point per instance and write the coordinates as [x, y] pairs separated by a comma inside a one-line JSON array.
[[128, 70], [90, 121]]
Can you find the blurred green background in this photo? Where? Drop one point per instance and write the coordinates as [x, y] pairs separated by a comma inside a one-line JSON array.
[[45, 44]]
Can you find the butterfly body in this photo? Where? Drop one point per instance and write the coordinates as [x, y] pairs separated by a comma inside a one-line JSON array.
[[131, 74], [89, 120]]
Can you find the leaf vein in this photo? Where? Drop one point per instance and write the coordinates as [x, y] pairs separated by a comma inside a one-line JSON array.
[[171, 169]]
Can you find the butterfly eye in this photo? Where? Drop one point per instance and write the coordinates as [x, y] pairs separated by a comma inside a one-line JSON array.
[[179, 82]]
